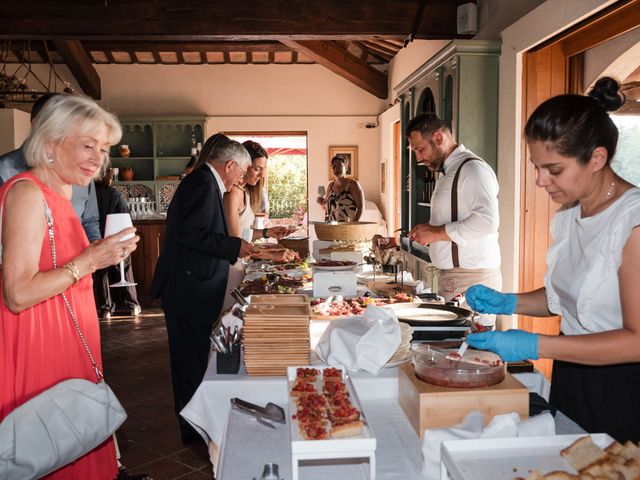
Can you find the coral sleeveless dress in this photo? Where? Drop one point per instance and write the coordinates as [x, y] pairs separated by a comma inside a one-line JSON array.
[[40, 346]]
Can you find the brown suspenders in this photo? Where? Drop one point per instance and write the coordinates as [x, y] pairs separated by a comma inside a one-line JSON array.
[[454, 209]]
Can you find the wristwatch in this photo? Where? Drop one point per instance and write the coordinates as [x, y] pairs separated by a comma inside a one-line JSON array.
[[265, 233]]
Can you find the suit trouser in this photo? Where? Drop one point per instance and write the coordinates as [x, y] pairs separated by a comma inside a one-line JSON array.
[[189, 347]]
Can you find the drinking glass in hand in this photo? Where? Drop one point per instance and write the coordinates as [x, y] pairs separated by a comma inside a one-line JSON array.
[[321, 191], [116, 222]]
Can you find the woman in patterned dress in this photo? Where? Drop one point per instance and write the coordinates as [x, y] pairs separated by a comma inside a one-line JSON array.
[[344, 199]]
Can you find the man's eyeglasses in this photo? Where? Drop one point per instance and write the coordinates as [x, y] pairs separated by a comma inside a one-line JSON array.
[[243, 173]]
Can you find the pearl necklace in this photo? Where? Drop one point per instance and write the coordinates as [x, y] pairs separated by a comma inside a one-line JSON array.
[[611, 190]]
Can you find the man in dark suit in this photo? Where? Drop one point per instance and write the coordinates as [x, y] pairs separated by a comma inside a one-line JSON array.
[[191, 274]]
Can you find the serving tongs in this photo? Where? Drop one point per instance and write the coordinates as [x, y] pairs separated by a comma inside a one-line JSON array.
[[241, 299], [270, 411]]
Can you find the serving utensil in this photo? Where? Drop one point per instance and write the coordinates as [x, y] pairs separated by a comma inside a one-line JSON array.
[[270, 411]]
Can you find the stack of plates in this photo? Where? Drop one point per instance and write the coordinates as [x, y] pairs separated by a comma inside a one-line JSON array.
[[275, 335], [403, 354]]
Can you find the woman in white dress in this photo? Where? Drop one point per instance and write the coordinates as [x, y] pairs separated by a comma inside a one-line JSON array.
[[242, 199], [593, 268]]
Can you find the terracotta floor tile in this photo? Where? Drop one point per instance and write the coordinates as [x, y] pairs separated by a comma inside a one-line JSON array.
[[136, 363]]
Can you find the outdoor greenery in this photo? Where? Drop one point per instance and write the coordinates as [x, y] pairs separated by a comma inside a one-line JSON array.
[[288, 187]]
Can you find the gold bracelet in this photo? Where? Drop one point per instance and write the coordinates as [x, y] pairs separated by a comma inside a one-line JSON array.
[[72, 268]]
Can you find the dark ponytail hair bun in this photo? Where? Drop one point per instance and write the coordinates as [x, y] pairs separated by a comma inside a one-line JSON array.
[[575, 125], [607, 93]]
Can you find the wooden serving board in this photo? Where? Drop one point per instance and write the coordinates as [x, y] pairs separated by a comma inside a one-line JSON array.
[[280, 299], [432, 406]]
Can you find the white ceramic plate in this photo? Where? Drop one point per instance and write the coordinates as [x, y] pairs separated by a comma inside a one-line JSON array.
[[406, 359], [426, 314]]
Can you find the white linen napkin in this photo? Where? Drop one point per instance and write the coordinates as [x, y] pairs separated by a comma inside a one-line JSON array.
[[501, 426], [230, 320], [361, 343]]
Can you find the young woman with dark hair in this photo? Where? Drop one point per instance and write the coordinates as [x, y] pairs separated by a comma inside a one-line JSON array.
[[593, 268]]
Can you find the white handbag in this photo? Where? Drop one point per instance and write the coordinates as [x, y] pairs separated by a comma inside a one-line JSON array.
[[60, 424]]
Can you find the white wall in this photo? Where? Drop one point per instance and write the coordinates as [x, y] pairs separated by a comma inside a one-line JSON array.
[[387, 119], [14, 128], [321, 133], [248, 90], [495, 15]]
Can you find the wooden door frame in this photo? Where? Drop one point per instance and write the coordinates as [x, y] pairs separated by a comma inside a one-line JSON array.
[[553, 68], [397, 175]]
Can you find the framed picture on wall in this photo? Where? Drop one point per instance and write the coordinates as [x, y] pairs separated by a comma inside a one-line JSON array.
[[383, 177], [350, 155]]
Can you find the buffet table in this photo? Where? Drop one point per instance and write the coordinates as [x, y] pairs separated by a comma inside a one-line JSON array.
[[247, 445]]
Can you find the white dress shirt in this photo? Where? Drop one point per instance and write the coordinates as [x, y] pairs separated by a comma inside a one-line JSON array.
[[476, 230], [221, 186]]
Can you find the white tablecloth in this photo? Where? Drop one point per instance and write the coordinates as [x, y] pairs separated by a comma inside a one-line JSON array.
[[247, 446]]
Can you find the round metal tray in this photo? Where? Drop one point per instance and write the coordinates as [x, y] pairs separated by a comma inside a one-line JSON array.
[[434, 313]]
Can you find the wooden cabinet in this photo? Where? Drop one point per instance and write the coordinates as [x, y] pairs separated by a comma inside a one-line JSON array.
[[144, 259], [159, 151], [460, 85]]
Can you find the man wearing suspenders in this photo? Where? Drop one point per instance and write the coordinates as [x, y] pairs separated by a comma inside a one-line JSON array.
[[462, 232]]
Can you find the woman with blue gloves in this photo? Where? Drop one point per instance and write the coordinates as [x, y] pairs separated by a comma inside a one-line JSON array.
[[593, 269]]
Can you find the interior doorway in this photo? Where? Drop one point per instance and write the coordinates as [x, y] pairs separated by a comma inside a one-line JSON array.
[[286, 179]]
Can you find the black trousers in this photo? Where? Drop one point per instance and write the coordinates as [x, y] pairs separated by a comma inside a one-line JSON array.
[[189, 348], [601, 399]]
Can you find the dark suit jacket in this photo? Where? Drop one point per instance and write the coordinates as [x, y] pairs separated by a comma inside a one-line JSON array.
[[191, 274]]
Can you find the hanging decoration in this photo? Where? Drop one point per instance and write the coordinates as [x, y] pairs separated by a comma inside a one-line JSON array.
[[23, 85]]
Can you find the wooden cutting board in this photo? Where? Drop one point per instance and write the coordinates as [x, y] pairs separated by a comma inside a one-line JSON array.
[[431, 406]]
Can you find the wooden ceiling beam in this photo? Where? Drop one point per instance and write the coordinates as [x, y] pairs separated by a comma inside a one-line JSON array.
[[237, 20], [81, 66], [341, 61], [367, 52], [390, 49], [270, 46], [384, 52]]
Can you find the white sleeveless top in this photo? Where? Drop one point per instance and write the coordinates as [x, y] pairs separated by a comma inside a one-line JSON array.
[[246, 215], [583, 261]]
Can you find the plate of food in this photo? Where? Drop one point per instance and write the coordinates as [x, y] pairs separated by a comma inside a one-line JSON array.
[[326, 415], [271, 283], [333, 265], [327, 309]]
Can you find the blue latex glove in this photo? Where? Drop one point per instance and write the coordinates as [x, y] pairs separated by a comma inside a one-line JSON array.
[[512, 345], [487, 300]]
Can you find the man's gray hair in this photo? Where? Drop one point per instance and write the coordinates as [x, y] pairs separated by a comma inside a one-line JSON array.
[[230, 151]]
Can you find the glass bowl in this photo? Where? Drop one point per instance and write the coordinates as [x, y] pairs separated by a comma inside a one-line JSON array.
[[474, 370]]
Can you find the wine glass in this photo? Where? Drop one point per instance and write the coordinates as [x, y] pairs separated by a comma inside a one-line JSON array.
[[115, 171], [321, 191], [116, 222]]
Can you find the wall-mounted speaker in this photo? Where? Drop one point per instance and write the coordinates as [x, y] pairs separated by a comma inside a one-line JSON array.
[[467, 19]]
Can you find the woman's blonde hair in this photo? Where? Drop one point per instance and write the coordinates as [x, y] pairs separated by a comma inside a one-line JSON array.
[[64, 115]]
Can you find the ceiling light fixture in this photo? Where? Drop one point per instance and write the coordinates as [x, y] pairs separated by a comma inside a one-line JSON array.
[[23, 85]]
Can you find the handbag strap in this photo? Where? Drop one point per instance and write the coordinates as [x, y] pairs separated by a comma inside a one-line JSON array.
[[49, 217]]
